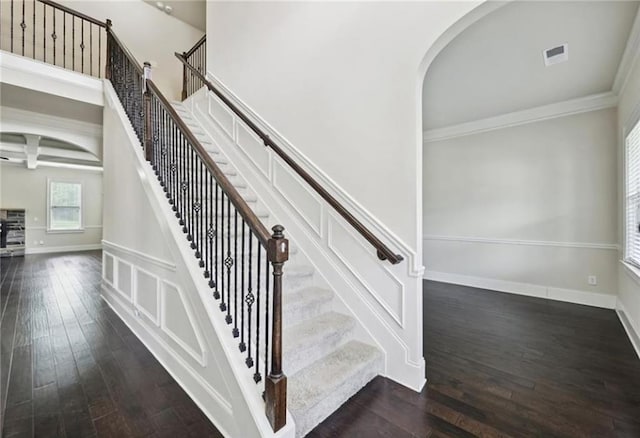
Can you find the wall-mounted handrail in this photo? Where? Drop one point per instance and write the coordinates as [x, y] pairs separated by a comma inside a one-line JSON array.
[[383, 251]]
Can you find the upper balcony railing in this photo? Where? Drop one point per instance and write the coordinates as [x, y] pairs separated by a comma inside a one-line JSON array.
[[46, 31], [197, 58]]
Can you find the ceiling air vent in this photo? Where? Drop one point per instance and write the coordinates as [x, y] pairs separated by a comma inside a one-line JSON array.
[[556, 55]]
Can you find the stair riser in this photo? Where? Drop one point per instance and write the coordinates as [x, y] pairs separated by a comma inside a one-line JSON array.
[[294, 361], [293, 315]]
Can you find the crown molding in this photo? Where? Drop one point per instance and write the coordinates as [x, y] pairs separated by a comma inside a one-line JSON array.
[[630, 56], [580, 105]]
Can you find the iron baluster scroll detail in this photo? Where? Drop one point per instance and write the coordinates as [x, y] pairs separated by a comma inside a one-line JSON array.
[[228, 240]]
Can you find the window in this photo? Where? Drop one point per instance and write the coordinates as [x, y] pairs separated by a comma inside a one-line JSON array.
[[65, 206], [632, 210]]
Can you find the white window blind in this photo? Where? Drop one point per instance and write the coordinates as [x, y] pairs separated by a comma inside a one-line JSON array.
[[65, 206], [632, 216]]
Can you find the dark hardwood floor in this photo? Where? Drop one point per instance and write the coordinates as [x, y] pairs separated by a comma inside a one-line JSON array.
[[497, 365], [70, 367], [504, 365]]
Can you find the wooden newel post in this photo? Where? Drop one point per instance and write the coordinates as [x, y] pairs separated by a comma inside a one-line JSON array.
[[276, 381], [107, 67], [184, 78], [146, 97]]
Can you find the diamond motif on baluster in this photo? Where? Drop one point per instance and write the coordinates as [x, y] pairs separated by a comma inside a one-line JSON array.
[[23, 25], [164, 151], [249, 299], [228, 262], [211, 233], [184, 186], [82, 46], [54, 36], [196, 207], [173, 167]]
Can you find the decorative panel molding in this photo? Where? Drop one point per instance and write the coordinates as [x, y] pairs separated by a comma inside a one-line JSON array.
[[124, 279], [298, 194], [219, 112], [108, 269], [147, 299], [253, 148], [178, 322], [381, 284]]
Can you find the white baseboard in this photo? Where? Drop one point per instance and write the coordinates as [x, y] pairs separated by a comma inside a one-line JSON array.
[[632, 333], [594, 299], [69, 248]]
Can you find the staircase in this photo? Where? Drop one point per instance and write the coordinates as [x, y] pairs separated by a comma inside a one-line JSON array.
[[325, 366]]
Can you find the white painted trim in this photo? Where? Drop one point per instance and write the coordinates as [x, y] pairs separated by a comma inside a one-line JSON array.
[[164, 264], [80, 229], [555, 244], [571, 107], [135, 269], [632, 271], [200, 357], [180, 362], [594, 299], [632, 333], [377, 227], [43, 228], [69, 248], [630, 56], [47, 78]]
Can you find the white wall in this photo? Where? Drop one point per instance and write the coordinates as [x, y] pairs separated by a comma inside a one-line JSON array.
[[150, 34], [531, 207], [24, 188], [629, 280], [339, 81]]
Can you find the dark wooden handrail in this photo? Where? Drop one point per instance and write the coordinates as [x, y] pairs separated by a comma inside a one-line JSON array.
[[195, 47], [383, 251], [74, 13], [239, 203]]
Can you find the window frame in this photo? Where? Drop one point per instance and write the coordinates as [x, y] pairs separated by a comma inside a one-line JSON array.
[[80, 229], [632, 123]]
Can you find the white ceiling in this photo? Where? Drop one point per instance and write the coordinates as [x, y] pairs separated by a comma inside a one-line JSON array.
[[192, 12], [496, 66]]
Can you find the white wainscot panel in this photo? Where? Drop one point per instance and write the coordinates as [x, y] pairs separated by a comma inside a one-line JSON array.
[[147, 298], [179, 324], [363, 263], [297, 193], [124, 279], [221, 114], [254, 149], [108, 269]]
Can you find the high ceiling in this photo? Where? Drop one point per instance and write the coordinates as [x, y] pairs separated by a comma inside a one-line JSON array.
[[496, 65], [192, 12]]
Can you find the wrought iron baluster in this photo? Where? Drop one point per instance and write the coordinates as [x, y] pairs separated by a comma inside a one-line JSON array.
[[91, 49], [216, 292], [223, 231], [54, 36], [256, 375], [99, 52], [250, 299], [235, 275], [11, 34], [82, 46], [266, 315], [242, 344], [73, 45], [64, 39], [228, 262], [200, 253], [23, 25]]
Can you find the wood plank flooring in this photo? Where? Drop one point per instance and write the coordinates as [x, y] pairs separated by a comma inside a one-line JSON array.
[[501, 365], [69, 367], [498, 365]]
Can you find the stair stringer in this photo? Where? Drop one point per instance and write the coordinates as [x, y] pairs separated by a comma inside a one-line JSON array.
[[386, 300], [218, 382]]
